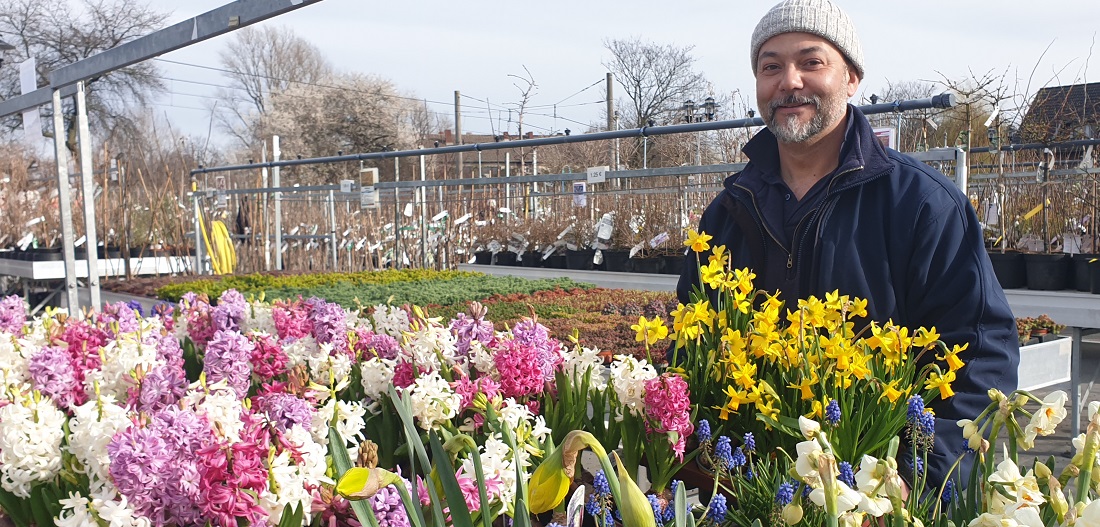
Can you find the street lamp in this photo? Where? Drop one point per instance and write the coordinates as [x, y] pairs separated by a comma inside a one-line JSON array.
[[693, 113], [4, 49]]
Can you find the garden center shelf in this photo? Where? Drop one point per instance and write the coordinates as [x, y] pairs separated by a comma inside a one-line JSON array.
[[55, 270]]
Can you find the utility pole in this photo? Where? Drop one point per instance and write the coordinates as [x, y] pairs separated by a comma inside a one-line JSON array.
[[458, 133]]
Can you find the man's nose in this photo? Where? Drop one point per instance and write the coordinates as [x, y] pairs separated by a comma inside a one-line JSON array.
[[790, 79]]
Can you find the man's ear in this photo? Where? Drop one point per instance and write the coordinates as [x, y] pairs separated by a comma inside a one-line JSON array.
[[853, 82]]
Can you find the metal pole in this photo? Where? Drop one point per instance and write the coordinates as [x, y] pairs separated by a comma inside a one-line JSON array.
[[332, 225], [423, 217], [63, 198], [266, 215], [198, 228], [507, 174], [397, 260], [458, 133], [275, 153], [611, 121], [125, 220], [88, 189]]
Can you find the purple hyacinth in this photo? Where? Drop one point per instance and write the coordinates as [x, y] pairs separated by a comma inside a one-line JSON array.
[[916, 408], [750, 442], [227, 357], [724, 452], [372, 344], [330, 323], [121, 313], [388, 508], [13, 314], [230, 311], [737, 459], [53, 374], [163, 386], [467, 329], [169, 350], [286, 410]]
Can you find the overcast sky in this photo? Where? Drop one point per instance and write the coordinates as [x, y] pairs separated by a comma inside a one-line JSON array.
[[430, 48]]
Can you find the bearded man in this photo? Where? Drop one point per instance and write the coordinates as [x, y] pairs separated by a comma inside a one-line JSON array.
[[823, 206]]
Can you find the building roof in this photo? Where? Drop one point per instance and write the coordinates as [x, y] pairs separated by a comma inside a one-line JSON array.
[[1062, 113]]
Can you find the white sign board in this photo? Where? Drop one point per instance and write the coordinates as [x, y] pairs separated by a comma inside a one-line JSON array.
[[345, 185], [368, 197], [598, 174], [888, 136], [580, 199]]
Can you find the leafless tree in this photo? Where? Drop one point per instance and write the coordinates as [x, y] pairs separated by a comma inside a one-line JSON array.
[[264, 61], [657, 78], [60, 33]]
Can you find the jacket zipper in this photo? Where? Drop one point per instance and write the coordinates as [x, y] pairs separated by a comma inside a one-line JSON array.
[[764, 227], [802, 236]]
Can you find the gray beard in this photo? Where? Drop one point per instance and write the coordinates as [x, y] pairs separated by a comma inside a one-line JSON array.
[[791, 130]]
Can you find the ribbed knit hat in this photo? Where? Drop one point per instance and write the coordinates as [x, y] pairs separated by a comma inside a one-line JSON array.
[[818, 17]]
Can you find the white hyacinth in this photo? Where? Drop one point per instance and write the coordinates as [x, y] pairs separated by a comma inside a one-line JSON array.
[[389, 320], [223, 409], [628, 377], [300, 351], [327, 368], [579, 360], [433, 400], [31, 431], [431, 345], [14, 357], [481, 357], [93, 425], [115, 510], [349, 421], [120, 358], [76, 511], [258, 319], [377, 376]]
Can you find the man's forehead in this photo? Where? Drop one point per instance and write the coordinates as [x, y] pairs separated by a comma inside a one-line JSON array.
[[801, 43]]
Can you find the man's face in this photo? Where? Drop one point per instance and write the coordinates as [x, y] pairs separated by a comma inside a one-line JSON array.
[[802, 86]]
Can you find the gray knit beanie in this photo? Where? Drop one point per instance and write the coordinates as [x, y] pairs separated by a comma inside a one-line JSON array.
[[817, 17]]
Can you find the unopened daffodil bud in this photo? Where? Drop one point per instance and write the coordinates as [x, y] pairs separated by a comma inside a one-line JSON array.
[[1058, 499], [360, 483], [1042, 471], [792, 513], [635, 507], [809, 427], [550, 482]]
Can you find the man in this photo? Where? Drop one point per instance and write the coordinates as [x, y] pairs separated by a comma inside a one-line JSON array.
[[822, 206]]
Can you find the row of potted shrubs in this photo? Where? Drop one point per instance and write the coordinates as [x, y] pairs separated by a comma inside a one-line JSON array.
[[584, 260]]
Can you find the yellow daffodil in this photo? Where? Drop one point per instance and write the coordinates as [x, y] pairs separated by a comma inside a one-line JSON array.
[[698, 241], [891, 392], [735, 398], [941, 382], [732, 337], [952, 357], [551, 480], [804, 386], [745, 375], [650, 331], [719, 254], [712, 274], [360, 483], [926, 337], [858, 308]]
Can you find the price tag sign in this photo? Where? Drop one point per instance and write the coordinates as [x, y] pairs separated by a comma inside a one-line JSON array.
[[368, 197], [598, 174], [345, 185]]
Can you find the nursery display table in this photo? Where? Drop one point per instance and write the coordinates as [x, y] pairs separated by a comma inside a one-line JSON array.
[[1080, 312], [51, 274]]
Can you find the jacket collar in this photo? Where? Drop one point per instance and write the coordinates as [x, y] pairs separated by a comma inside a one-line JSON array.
[[862, 156]]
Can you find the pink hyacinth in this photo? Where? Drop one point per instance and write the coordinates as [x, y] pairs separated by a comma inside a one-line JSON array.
[[268, 358], [467, 389], [55, 374], [668, 409], [292, 320], [197, 311], [521, 368], [227, 357], [233, 476], [369, 345], [404, 373]]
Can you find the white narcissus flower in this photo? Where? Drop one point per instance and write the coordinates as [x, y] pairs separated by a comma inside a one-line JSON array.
[[846, 498], [992, 520], [971, 433], [1024, 515], [1089, 516], [31, 431], [1022, 491], [809, 427], [1047, 417], [628, 377], [807, 463], [578, 360]]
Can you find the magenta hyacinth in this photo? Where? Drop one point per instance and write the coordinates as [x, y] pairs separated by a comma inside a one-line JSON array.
[[292, 320], [668, 409], [268, 358], [233, 476], [13, 314], [521, 368], [228, 357], [197, 311], [533, 334]]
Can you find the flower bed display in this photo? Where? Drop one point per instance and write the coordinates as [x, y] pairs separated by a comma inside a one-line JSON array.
[[304, 412]]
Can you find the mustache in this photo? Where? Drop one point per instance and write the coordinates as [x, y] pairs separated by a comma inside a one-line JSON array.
[[794, 100]]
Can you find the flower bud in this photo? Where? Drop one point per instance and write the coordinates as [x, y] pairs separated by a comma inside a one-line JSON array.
[[360, 483], [1042, 471], [809, 427], [635, 507], [1058, 498], [792, 513]]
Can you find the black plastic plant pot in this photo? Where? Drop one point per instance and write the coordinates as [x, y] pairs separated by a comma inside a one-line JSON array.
[[580, 260], [617, 261], [483, 257], [651, 265], [556, 261], [506, 258], [531, 259], [674, 263], [1082, 280], [1047, 272], [1094, 277], [1009, 268]]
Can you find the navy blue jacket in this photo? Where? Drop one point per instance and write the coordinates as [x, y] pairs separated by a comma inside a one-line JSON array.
[[896, 232]]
